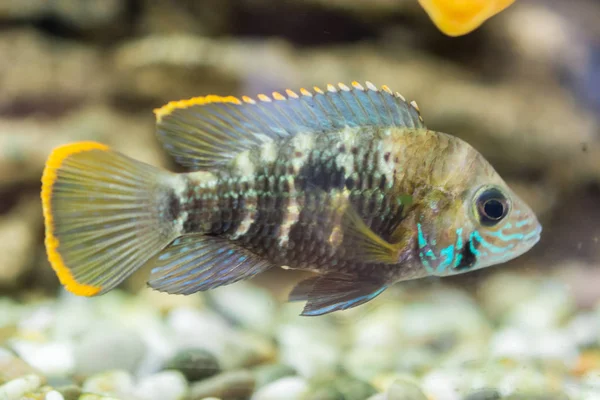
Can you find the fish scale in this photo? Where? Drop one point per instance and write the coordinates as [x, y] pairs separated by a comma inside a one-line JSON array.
[[346, 182]]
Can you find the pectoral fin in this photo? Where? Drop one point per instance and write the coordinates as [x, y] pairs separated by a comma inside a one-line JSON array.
[[362, 244], [332, 292]]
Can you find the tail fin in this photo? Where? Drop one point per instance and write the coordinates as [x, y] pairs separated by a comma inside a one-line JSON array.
[[105, 214]]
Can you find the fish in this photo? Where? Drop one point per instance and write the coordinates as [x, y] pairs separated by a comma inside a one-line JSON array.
[[345, 182], [460, 17]]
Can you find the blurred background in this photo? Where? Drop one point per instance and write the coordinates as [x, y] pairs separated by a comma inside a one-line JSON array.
[[524, 89]]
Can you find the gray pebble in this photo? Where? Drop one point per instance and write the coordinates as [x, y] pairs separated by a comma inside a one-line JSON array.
[[247, 349], [483, 394], [265, 374], [232, 385], [342, 388], [107, 349], [194, 363], [403, 389], [71, 392]]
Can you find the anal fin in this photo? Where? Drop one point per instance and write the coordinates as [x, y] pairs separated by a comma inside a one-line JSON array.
[[333, 292], [197, 263]]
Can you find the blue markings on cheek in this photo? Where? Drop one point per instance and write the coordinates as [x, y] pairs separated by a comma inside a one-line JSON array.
[[487, 245], [506, 238], [447, 256], [521, 224], [421, 237], [472, 247], [458, 260], [430, 254], [459, 243]]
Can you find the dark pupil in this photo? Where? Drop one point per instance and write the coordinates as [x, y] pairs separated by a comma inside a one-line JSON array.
[[493, 209]]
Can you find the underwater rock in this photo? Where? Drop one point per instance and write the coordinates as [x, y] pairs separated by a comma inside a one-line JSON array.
[[12, 367], [54, 395], [202, 18], [547, 309], [74, 74], [82, 14], [165, 302], [194, 363], [17, 388], [483, 394], [496, 301], [51, 358], [24, 151], [267, 373], [312, 350], [106, 349], [232, 385], [19, 238], [290, 388], [115, 383], [247, 349], [246, 304], [166, 385], [334, 387], [192, 328], [71, 392], [366, 363], [404, 389]]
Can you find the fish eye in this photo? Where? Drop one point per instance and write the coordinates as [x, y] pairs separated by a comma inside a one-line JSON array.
[[492, 206]]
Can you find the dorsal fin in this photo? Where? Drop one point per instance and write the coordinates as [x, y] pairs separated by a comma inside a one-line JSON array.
[[208, 132]]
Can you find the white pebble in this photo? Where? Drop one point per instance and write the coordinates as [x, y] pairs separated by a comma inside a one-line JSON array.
[[167, 385], [116, 383], [52, 359], [585, 329], [290, 388], [204, 329], [510, 343], [309, 350], [520, 344], [54, 395], [16, 389], [248, 304], [441, 385]]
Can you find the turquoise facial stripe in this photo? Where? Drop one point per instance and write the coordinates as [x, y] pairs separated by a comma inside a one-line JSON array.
[[447, 255], [521, 224], [487, 245], [507, 238], [472, 245], [421, 237], [458, 260], [459, 245]]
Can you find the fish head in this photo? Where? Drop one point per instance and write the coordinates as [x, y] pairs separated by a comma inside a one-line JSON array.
[[476, 221]]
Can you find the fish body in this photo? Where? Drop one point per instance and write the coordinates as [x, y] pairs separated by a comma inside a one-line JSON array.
[[459, 17], [348, 183]]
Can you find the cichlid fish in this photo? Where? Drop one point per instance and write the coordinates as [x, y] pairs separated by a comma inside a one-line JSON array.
[[346, 182], [459, 17]]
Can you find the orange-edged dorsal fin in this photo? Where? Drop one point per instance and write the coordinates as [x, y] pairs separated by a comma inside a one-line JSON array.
[[208, 132]]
